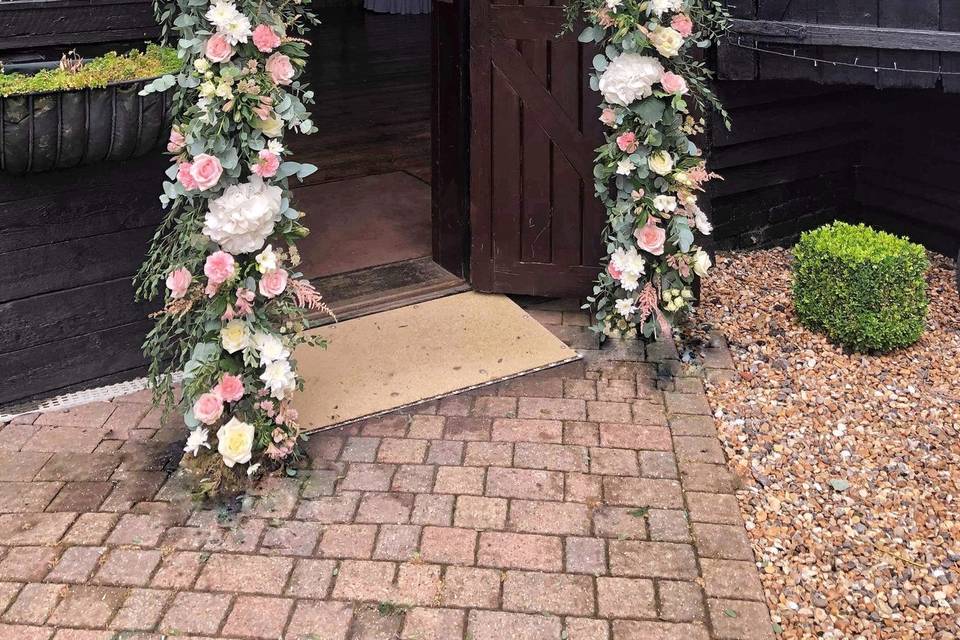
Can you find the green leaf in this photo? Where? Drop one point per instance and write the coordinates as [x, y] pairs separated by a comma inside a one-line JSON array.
[[586, 35], [600, 62], [650, 111]]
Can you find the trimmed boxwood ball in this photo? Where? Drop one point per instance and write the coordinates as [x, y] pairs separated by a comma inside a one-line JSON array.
[[864, 289]]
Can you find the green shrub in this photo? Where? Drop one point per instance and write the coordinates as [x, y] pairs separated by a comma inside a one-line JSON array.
[[864, 289], [95, 73]]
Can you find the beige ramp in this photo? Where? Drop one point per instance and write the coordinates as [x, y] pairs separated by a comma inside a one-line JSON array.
[[389, 360]]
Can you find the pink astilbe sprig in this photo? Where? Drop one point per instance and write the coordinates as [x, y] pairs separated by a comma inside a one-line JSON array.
[[308, 297], [647, 305]]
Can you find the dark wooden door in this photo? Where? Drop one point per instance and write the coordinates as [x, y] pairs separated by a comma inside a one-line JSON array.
[[535, 223]]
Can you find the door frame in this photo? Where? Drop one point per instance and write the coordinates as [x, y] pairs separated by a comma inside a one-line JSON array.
[[450, 136]]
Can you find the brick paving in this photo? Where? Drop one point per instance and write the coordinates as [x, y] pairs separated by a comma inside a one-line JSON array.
[[587, 502]]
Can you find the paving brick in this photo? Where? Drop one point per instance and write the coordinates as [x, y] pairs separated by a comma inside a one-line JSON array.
[[581, 433], [601, 411], [413, 478], [34, 528], [646, 630], [552, 409], [8, 593], [524, 483], [626, 598], [18, 466], [614, 462], [141, 610], [426, 427], [555, 457], [133, 487], [633, 436], [128, 567], [652, 560], [658, 464], [668, 525], [585, 555], [642, 492], [475, 512], [391, 508], [710, 478], [90, 607], [67, 467], [397, 542], [432, 624], [27, 564], [245, 574], [64, 439], [195, 613], [402, 451], [390, 425], [323, 448], [494, 407], [582, 487], [722, 541], [290, 537], [469, 587], [258, 617], [731, 579], [91, 415], [330, 510], [739, 620], [90, 528], [520, 430], [687, 425], [520, 551], [348, 541], [448, 545], [463, 428], [418, 583], [365, 581], [34, 603], [81, 496], [716, 508], [696, 449], [179, 570], [556, 593], [558, 518], [586, 629], [458, 405], [546, 384], [690, 403], [496, 625], [370, 624], [681, 601], [138, 528], [24, 497], [448, 452], [622, 523], [582, 389], [368, 477], [311, 578], [486, 454], [460, 480], [432, 509], [24, 632], [311, 619]]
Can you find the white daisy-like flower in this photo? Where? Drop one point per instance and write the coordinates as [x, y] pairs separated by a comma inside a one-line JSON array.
[[625, 307], [279, 378], [625, 167], [197, 439]]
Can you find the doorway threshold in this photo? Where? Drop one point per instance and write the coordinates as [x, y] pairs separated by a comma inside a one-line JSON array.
[[385, 287]]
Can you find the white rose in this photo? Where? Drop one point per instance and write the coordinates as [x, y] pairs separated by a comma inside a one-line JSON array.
[[702, 222], [234, 336], [202, 65], [235, 442], [629, 77], [279, 378], [660, 162], [667, 41], [270, 347], [271, 127], [701, 263], [660, 7], [665, 203], [266, 260], [242, 218]]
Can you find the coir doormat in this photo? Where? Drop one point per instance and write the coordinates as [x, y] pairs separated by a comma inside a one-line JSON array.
[[390, 360]]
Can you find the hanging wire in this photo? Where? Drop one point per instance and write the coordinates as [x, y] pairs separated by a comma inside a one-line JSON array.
[[837, 63]]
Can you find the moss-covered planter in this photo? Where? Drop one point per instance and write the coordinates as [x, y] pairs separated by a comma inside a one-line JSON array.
[[63, 129]]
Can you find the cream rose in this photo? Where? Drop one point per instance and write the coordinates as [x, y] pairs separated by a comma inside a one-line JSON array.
[[234, 336], [271, 127], [629, 77], [243, 217], [701, 262], [235, 442], [666, 40], [660, 162]]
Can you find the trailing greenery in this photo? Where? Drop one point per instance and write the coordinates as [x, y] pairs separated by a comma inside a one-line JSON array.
[[95, 73], [863, 288]]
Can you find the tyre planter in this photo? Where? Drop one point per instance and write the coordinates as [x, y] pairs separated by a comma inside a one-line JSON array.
[[63, 129]]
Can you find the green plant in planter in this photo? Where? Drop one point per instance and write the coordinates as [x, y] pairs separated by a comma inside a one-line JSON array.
[[95, 73], [863, 288]]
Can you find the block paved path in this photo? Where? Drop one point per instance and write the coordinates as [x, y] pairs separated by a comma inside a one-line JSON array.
[[586, 502]]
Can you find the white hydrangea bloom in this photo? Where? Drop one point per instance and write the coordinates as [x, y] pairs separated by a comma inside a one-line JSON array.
[[629, 77], [243, 217]]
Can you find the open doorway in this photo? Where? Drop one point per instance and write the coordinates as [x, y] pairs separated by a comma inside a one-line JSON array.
[[370, 205]]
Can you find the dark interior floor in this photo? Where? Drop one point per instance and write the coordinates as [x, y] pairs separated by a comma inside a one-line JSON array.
[[368, 203]]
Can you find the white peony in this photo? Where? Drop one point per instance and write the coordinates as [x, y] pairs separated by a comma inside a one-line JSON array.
[[625, 307], [702, 223], [629, 77], [242, 218], [271, 348], [279, 378], [666, 40], [660, 7], [701, 262], [665, 203], [235, 442], [197, 439], [234, 336]]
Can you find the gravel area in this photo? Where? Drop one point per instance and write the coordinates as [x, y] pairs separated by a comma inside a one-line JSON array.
[[850, 463]]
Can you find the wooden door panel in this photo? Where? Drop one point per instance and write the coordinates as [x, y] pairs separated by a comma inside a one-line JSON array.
[[536, 224]]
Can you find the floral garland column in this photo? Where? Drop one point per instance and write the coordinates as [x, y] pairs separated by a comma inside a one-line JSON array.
[[224, 258], [649, 171]]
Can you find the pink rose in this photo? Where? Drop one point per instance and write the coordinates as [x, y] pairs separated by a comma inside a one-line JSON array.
[[280, 69], [613, 271], [682, 24], [672, 83], [206, 171], [219, 267], [273, 283], [176, 141], [230, 388], [267, 165], [208, 408], [218, 49], [608, 117], [651, 236], [178, 282], [184, 176], [265, 38], [627, 142]]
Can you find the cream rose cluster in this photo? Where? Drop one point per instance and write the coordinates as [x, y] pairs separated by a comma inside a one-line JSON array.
[[629, 77], [243, 217]]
